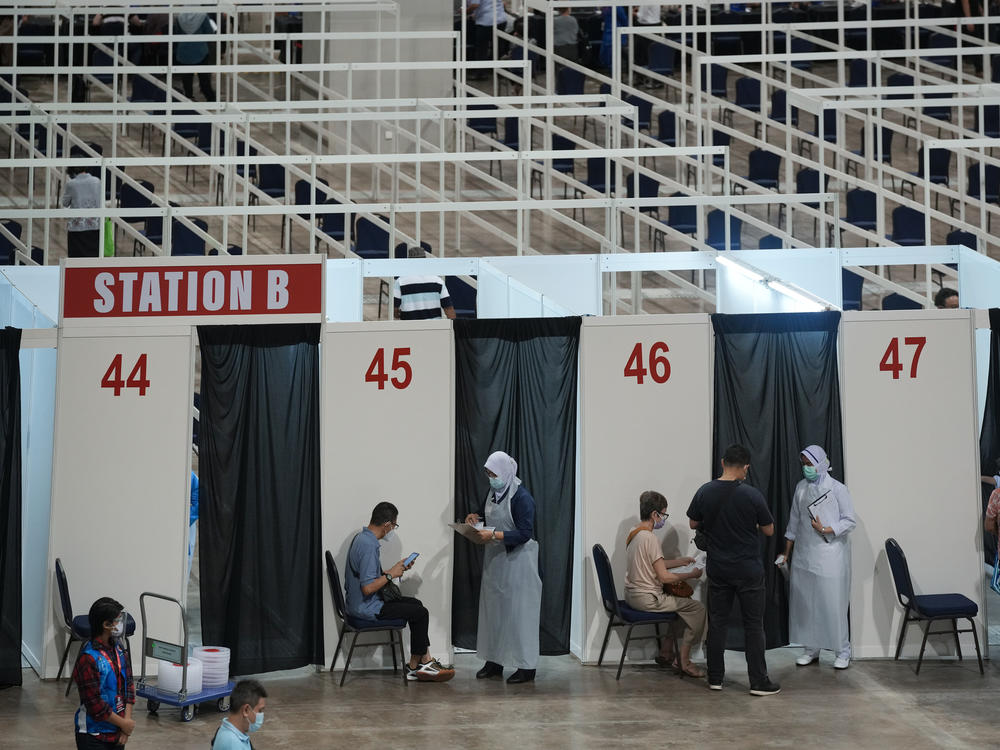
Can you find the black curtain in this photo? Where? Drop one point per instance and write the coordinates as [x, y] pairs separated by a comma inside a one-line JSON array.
[[260, 555], [516, 386], [776, 391], [989, 437], [10, 507]]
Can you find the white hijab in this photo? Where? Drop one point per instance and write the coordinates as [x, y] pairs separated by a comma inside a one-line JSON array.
[[820, 461], [505, 468], [190, 22]]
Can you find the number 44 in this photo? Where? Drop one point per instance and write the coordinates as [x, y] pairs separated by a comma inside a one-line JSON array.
[[136, 379], [890, 360]]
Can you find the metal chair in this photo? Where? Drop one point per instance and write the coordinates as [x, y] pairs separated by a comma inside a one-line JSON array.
[[7, 252], [940, 174], [371, 240], [183, 239], [929, 608], [716, 238], [850, 285], [357, 625], [620, 615], [899, 302]]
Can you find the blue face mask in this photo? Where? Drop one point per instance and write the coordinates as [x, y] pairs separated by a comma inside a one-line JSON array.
[[496, 483], [257, 723], [810, 473]]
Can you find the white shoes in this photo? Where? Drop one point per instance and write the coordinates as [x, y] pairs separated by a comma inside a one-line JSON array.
[[808, 657], [841, 663]]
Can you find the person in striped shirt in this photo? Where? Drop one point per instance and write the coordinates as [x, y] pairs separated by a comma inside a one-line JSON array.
[[421, 297]]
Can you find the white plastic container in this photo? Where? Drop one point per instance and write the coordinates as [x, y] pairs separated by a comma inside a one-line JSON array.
[[171, 675], [216, 665]]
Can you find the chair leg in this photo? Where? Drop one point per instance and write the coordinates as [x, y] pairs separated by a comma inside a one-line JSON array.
[[347, 664], [402, 655], [923, 645], [69, 682], [621, 662], [902, 632], [62, 663], [958, 645], [392, 647], [604, 646], [336, 651], [975, 638]]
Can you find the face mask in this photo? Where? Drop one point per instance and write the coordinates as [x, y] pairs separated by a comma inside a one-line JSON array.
[[810, 473], [257, 723], [660, 524], [118, 627], [496, 483]]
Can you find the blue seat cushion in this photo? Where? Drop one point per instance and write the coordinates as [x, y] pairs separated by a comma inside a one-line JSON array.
[[945, 605], [636, 615], [81, 626], [360, 623]]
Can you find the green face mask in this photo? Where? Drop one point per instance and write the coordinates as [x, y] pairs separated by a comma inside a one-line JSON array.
[[810, 473]]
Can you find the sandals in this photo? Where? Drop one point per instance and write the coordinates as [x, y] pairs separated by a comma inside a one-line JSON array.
[[667, 662], [690, 671]]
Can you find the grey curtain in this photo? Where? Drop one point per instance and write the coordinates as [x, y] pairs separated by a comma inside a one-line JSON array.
[[10, 507]]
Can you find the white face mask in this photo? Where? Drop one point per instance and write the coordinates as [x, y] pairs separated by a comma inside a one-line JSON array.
[[118, 626]]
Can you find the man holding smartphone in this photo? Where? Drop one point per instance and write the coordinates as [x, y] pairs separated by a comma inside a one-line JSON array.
[[365, 587]]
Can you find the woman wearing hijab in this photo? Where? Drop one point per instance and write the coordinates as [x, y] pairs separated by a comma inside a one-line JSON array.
[[820, 519], [194, 53], [510, 597]]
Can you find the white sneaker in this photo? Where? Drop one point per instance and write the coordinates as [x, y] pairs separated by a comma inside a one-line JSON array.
[[431, 671], [808, 657], [841, 663]]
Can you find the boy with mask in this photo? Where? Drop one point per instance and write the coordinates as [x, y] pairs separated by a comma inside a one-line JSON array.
[[645, 576], [246, 715], [103, 676]]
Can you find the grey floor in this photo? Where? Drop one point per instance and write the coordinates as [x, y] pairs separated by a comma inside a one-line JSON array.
[[874, 704]]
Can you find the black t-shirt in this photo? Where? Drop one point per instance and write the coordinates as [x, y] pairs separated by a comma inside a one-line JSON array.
[[729, 513]]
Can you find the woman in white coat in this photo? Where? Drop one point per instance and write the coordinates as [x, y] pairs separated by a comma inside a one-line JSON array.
[[819, 523]]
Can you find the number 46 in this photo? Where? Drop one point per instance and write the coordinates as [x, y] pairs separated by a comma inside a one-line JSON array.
[[890, 360]]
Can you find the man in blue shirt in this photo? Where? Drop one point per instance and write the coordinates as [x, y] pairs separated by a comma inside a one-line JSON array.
[[364, 581], [246, 715]]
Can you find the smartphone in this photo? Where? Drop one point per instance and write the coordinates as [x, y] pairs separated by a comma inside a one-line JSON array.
[[413, 556]]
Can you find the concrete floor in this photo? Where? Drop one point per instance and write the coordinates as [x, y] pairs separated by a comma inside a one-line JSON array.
[[874, 704]]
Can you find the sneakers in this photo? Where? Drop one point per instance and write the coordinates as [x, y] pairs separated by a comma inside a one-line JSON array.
[[767, 688], [808, 657], [432, 671], [841, 663], [715, 686]]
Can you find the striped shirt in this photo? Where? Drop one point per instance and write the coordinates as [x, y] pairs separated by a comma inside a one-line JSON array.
[[420, 297]]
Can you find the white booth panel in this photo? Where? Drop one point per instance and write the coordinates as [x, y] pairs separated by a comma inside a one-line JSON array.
[[649, 435], [38, 393], [912, 454], [388, 434], [978, 279], [40, 285], [574, 282], [817, 270], [738, 293], [344, 290], [121, 473]]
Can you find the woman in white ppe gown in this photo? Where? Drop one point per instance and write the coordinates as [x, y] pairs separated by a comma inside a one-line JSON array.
[[820, 576]]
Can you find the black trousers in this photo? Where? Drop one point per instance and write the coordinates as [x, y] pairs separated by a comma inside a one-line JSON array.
[[89, 742], [204, 82], [415, 613], [83, 244], [750, 592]]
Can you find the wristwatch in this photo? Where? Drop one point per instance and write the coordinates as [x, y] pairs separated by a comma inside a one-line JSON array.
[[388, 578]]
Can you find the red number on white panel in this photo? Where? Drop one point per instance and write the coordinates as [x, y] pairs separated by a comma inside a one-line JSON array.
[[376, 369], [136, 379], [891, 361], [658, 367], [113, 377]]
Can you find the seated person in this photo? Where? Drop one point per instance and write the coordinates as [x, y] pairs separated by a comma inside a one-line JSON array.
[[364, 579], [648, 571], [246, 715]]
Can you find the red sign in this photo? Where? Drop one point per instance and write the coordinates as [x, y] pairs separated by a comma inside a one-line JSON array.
[[147, 291]]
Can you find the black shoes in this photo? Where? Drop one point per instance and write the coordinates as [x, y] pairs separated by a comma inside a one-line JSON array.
[[521, 675], [766, 688], [490, 669]]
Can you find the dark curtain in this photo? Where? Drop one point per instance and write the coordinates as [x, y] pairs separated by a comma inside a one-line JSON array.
[[776, 391], [260, 555], [516, 386], [10, 507], [989, 437]]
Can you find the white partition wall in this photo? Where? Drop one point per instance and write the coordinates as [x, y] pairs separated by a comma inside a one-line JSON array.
[[912, 454], [654, 434], [388, 434], [121, 470]]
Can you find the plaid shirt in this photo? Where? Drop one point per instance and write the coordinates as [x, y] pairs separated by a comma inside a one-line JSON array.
[[88, 681]]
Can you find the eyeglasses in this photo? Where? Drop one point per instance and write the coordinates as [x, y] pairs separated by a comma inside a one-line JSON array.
[[662, 514], [394, 524]]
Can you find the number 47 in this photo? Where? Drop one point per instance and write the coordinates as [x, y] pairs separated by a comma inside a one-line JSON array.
[[890, 360]]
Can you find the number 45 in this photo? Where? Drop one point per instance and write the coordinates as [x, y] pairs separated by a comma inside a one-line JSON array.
[[890, 360]]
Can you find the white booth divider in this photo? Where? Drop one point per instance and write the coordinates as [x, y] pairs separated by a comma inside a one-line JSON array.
[[816, 270], [572, 281], [388, 434], [120, 472], [652, 431], [912, 453]]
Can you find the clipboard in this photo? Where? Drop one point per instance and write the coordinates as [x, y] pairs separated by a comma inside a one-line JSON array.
[[470, 532], [823, 509]]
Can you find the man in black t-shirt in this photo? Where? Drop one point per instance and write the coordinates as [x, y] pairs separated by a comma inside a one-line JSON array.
[[730, 514]]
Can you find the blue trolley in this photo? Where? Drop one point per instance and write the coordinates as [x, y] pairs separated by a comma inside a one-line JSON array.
[[156, 649]]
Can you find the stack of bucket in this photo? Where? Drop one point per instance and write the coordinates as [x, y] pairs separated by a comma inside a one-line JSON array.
[[216, 665], [171, 676]]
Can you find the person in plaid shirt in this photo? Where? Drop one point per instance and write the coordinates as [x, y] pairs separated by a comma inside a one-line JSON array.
[[103, 676]]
